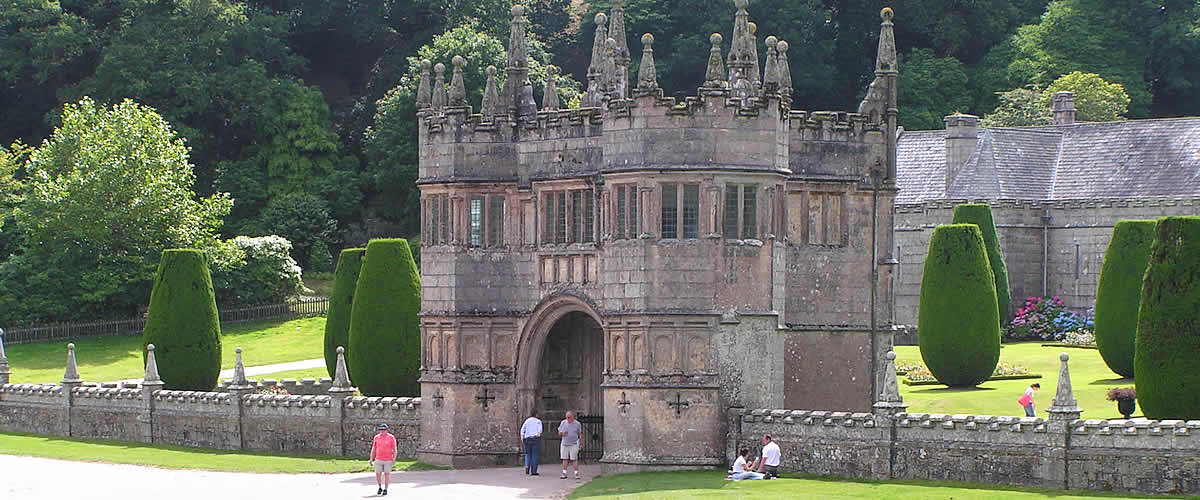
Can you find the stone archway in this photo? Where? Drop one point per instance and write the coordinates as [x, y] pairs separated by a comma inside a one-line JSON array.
[[560, 367]]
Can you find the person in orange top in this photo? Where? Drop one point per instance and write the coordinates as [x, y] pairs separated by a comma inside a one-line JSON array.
[[383, 457]]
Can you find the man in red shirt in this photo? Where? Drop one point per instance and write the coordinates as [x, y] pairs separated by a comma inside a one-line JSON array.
[[383, 457]]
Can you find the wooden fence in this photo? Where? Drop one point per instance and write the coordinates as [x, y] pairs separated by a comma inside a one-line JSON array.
[[68, 331]]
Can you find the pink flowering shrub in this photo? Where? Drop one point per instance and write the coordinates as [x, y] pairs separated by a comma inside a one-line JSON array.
[[1046, 319]]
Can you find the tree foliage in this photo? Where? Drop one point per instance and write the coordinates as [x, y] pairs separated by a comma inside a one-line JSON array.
[[302, 219], [108, 191], [341, 303], [1095, 99], [249, 271], [1020, 107], [12, 190], [957, 319], [183, 323], [930, 88], [1166, 369], [1119, 293]]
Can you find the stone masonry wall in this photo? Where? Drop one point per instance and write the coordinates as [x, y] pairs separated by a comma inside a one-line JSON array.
[[288, 424], [1076, 237], [1143, 456]]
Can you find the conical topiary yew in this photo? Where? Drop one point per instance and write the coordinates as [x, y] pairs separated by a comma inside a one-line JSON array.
[[341, 299], [385, 337], [1166, 367], [980, 214], [1119, 293], [958, 322], [183, 323]]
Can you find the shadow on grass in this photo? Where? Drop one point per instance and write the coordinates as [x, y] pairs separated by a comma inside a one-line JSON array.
[[1111, 381], [128, 452], [951, 390]]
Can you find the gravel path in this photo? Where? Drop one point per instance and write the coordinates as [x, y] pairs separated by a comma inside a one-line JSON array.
[[42, 478], [252, 371]]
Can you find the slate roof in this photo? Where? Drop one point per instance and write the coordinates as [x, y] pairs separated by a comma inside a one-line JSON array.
[[1129, 159]]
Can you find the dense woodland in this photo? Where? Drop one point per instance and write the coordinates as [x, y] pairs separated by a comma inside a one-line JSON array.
[[301, 110]]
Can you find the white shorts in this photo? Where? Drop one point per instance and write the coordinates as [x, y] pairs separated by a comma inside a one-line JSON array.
[[382, 466], [568, 451]]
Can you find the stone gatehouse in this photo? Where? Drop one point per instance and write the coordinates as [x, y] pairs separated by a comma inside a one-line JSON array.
[[648, 262]]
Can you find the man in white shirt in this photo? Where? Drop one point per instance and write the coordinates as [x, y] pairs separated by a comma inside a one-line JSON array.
[[531, 439], [770, 458]]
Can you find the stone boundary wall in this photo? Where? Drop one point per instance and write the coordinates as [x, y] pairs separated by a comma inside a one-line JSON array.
[[291, 424], [1143, 456]]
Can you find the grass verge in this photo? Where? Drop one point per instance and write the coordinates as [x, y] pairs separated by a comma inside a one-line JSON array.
[[182, 457], [711, 485]]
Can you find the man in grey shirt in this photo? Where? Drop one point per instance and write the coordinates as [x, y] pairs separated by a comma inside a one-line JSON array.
[[570, 430]]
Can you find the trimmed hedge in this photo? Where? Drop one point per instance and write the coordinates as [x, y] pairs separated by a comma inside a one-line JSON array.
[[341, 300], [1166, 367], [385, 338], [1120, 293], [980, 214], [183, 323], [958, 318]]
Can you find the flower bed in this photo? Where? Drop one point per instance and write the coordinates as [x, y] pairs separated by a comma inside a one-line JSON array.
[[1003, 371], [1048, 319]]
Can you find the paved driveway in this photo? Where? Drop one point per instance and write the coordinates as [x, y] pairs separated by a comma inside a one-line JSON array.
[[24, 478]]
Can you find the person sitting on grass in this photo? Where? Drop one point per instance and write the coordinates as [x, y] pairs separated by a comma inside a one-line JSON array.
[[741, 470], [769, 465]]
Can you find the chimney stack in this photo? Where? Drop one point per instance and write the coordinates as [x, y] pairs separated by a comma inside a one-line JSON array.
[[1064, 108], [961, 138]]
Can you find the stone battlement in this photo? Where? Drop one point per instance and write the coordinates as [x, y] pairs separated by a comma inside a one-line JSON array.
[[1151, 201]]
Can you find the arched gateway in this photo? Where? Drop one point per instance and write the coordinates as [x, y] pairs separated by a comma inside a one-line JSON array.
[[650, 264]]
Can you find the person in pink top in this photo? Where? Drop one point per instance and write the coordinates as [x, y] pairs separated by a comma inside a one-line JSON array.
[[383, 457], [1026, 400]]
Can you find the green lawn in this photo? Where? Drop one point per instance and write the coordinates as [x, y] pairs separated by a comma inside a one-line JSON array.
[[180, 457], [1090, 378], [711, 484], [103, 359]]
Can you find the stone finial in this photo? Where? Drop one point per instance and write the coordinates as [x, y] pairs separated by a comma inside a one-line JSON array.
[[609, 71], [741, 58], [491, 99], [151, 377], [458, 92], [341, 378], [1064, 406], [783, 69], [239, 372], [771, 71], [714, 75], [424, 95], [755, 71], [889, 400], [595, 73], [647, 77], [438, 100], [885, 59], [550, 100], [619, 80], [518, 53], [71, 376]]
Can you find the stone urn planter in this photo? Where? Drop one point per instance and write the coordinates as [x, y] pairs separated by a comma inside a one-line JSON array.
[[1126, 398]]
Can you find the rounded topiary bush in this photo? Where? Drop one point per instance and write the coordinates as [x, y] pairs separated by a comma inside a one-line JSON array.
[[1120, 293], [1166, 367], [980, 214], [341, 299], [957, 319], [183, 324], [385, 337]]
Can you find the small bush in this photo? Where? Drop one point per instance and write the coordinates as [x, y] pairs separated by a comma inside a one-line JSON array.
[[1119, 293], [254, 271], [1121, 394], [1080, 337], [341, 302], [183, 324], [385, 337], [957, 317], [1166, 367], [1045, 319]]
